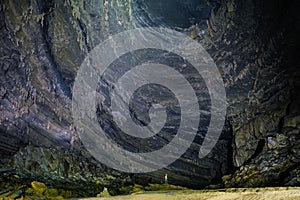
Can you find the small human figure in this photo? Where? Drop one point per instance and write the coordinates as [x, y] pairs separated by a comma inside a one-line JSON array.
[[271, 143], [269, 139], [166, 178]]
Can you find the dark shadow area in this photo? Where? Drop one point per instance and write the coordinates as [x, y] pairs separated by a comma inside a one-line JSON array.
[[173, 13], [260, 145]]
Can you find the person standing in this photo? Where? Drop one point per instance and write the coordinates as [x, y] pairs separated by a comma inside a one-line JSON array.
[[166, 178]]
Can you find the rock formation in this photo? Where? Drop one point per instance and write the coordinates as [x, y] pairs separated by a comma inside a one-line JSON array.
[[253, 43]]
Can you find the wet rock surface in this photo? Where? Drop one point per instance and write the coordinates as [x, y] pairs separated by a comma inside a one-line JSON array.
[[253, 44]]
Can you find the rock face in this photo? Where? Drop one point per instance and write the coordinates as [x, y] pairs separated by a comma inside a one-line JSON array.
[[253, 43]]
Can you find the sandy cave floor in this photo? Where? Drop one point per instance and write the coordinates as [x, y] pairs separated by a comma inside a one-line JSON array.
[[282, 193]]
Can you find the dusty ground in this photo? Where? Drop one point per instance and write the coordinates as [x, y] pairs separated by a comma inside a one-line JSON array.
[[230, 194]]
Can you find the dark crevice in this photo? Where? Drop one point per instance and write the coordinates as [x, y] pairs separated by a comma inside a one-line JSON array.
[[84, 34], [259, 148], [280, 125], [47, 8], [230, 153], [287, 112]]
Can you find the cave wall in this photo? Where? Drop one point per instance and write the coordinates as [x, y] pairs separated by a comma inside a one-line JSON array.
[[253, 43]]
